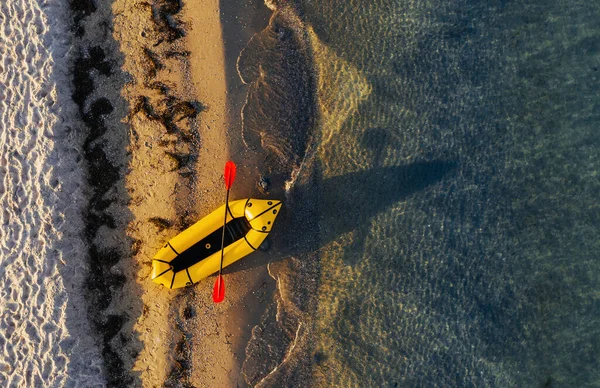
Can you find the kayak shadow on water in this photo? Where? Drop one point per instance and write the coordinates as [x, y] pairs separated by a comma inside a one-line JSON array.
[[351, 200], [343, 203]]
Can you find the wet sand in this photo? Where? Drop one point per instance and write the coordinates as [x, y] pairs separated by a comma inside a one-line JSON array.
[[219, 333]]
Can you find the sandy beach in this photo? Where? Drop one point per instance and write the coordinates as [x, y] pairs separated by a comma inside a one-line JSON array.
[[175, 178]]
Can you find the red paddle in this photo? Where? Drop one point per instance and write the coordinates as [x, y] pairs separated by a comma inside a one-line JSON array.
[[219, 289]]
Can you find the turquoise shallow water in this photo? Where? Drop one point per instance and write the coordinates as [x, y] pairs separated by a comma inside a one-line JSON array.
[[457, 158]]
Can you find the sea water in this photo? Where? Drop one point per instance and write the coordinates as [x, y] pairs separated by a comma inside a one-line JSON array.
[[453, 168]]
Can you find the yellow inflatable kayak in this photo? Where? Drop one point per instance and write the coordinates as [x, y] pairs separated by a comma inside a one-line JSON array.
[[195, 253]]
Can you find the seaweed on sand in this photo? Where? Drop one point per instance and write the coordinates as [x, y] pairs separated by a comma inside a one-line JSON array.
[[160, 223]]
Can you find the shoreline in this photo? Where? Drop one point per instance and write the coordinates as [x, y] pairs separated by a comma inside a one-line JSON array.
[[222, 331]]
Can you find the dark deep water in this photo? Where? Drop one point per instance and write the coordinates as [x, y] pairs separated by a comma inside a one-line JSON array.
[[454, 172]]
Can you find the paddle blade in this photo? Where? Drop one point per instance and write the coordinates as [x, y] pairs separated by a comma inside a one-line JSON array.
[[219, 290], [229, 174]]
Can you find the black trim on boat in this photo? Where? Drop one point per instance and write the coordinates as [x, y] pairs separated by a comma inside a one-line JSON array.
[[255, 217], [162, 273], [173, 248], [248, 242]]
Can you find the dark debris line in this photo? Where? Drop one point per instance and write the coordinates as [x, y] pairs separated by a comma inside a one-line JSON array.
[[102, 176]]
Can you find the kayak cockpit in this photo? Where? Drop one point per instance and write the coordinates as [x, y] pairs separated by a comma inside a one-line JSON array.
[[235, 229]]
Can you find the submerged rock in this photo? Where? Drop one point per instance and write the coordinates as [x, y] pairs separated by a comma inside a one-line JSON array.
[[263, 184]]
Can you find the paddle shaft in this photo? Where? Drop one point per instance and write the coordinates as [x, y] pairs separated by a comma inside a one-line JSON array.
[[219, 289], [223, 235]]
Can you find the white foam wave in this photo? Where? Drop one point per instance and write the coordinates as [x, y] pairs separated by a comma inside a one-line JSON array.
[[44, 338]]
